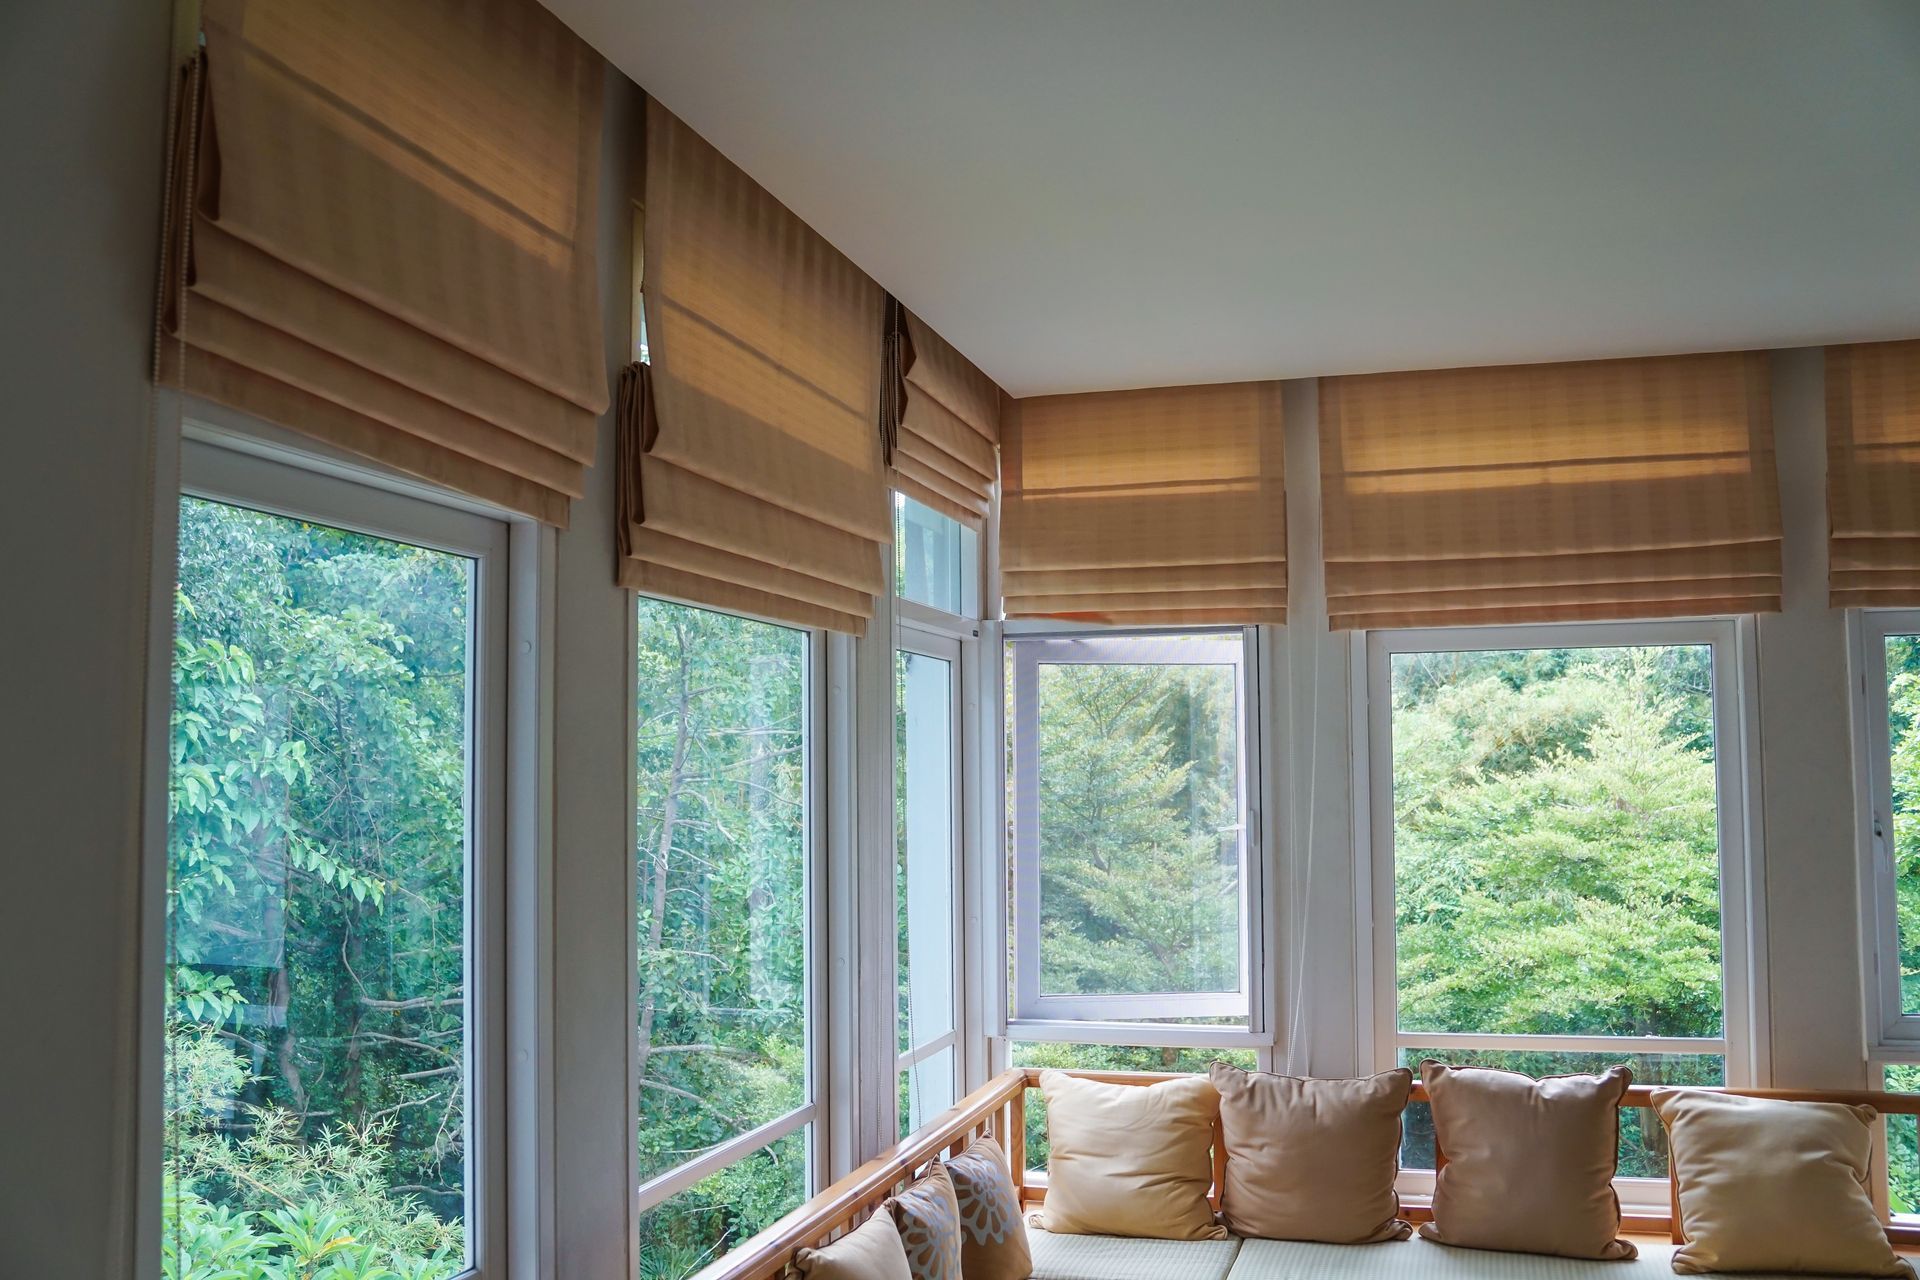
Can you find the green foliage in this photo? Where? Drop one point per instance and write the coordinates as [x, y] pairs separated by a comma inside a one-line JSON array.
[[722, 869], [1557, 862], [1139, 873], [316, 914]]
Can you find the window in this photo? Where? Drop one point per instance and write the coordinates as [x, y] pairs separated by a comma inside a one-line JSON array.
[[1558, 856], [1890, 681], [927, 880], [724, 880], [334, 863], [1132, 869], [936, 559]]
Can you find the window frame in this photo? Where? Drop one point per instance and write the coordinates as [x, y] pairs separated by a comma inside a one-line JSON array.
[[1032, 1016], [814, 1115], [1741, 1044], [242, 465], [1895, 1034], [939, 643]]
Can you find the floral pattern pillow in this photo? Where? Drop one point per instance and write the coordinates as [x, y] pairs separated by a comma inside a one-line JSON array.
[[993, 1241], [927, 1215]]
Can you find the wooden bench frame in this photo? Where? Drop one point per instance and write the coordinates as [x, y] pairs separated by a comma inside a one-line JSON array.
[[999, 1109]]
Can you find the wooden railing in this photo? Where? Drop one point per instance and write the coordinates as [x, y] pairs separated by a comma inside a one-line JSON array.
[[999, 1109]]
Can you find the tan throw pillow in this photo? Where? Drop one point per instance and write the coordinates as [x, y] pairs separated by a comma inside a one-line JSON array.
[[1767, 1185], [1529, 1162], [993, 1241], [871, 1251], [1312, 1159], [1130, 1160], [928, 1218]]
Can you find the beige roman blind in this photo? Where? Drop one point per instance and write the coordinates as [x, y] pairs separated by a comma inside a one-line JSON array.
[[750, 461], [1149, 507], [393, 211], [946, 448], [1873, 473], [1534, 493]]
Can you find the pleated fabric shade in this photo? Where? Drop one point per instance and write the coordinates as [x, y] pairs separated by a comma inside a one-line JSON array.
[[392, 222], [1873, 474], [1539, 493], [946, 448], [751, 472], [1162, 506]]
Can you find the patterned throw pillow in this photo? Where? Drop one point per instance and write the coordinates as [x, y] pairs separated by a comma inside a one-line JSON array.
[[928, 1216], [993, 1241]]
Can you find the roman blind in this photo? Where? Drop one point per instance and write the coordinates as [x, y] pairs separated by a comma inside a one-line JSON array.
[[1149, 507], [1873, 474], [393, 212], [1532, 493], [751, 475], [946, 446]]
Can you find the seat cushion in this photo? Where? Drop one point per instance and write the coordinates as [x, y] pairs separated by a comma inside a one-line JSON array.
[[1079, 1257], [1420, 1259]]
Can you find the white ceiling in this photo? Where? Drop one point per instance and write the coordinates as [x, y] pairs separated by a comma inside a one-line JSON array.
[[1085, 194]]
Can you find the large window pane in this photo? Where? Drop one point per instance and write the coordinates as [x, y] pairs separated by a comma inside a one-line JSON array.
[[1903, 713], [1555, 842], [318, 861], [722, 916], [1128, 825]]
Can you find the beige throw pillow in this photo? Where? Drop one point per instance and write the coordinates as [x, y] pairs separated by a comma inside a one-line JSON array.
[[1312, 1159], [1529, 1162], [871, 1251], [1767, 1185], [1130, 1160], [993, 1241]]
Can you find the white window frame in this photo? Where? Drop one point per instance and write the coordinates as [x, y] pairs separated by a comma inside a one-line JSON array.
[[231, 460], [1731, 641], [938, 643], [1033, 1016], [815, 1111], [1894, 1033]]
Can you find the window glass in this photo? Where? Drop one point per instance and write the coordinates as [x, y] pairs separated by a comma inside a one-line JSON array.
[[936, 559], [927, 1088], [721, 912], [684, 1233], [1903, 1143], [1104, 1057], [319, 844], [1128, 827], [1556, 844], [925, 875], [1903, 712]]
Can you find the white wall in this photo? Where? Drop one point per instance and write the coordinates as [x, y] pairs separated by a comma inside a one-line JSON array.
[[81, 104], [593, 1000]]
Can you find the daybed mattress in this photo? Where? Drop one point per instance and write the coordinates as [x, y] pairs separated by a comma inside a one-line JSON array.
[[1065, 1257], [1418, 1259]]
